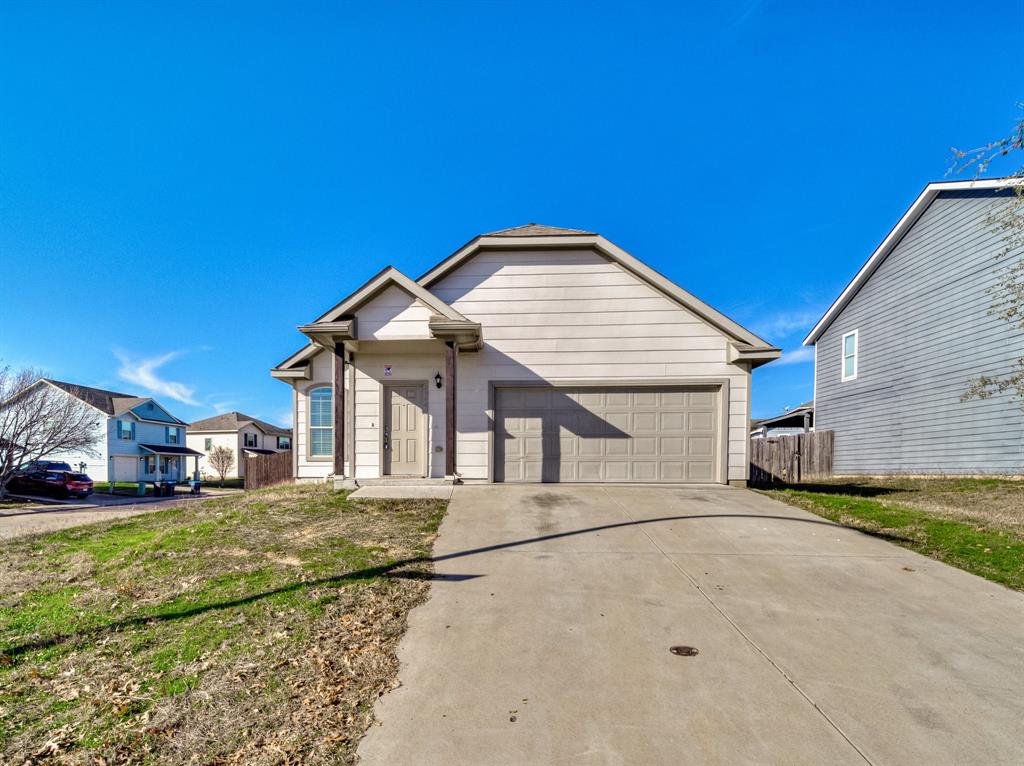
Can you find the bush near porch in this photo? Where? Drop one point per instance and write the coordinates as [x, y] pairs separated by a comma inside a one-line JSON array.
[[255, 628], [974, 524]]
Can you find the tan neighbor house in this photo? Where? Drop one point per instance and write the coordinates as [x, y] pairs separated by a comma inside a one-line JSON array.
[[243, 434], [531, 354]]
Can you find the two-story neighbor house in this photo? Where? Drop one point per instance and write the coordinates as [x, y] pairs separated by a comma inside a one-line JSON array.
[[242, 434], [531, 354], [898, 348], [138, 440]]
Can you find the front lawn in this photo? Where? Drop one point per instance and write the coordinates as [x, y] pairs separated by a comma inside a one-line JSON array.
[[256, 628], [974, 524]]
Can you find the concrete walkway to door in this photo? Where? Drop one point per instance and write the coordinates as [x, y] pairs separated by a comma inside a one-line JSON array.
[[546, 639]]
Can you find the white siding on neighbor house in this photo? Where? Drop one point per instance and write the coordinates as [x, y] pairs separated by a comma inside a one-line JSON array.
[[108, 445], [924, 331], [96, 464], [197, 441], [575, 316], [393, 313]]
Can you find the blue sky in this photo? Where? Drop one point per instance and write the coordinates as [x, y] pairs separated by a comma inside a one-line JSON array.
[[181, 185]]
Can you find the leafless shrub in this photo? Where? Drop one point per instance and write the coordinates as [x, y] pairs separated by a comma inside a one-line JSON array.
[[222, 460]]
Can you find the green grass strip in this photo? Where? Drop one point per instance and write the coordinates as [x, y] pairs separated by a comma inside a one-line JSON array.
[[996, 555]]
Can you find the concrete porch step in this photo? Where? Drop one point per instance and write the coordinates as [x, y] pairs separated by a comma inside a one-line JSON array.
[[395, 481], [397, 491]]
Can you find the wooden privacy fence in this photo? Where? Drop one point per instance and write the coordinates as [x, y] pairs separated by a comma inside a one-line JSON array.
[[791, 459], [267, 470]]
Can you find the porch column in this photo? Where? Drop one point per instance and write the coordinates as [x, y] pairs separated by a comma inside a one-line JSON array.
[[339, 409], [450, 354]]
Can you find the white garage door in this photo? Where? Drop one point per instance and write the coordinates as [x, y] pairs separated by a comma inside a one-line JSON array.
[[126, 469], [606, 434]]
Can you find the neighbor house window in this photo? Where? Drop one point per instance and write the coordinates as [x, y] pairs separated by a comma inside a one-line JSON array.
[[208, 444], [250, 440], [321, 422], [125, 429], [850, 355], [173, 435], [284, 442]]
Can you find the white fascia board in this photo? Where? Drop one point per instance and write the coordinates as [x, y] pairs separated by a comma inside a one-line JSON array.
[[924, 199]]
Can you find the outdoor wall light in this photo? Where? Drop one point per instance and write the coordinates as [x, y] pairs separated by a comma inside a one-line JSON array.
[[438, 379]]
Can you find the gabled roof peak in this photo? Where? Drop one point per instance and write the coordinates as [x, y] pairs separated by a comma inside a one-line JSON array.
[[539, 230]]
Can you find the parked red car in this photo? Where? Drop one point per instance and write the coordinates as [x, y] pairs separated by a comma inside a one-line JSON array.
[[55, 483]]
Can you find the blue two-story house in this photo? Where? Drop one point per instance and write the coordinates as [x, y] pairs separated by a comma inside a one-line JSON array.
[[137, 438]]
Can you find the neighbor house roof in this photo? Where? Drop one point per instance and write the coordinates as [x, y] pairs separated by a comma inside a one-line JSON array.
[[914, 212], [168, 449], [109, 402], [233, 421], [796, 415]]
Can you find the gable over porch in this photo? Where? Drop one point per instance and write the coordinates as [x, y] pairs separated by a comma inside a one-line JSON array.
[[378, 383]]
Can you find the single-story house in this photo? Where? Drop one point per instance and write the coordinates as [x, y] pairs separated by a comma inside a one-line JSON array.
[[242, 434], [898, 349], [137, 438], [530, 354], [798, 420]]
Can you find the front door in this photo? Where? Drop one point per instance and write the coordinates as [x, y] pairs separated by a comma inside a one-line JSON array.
[[404, 441]]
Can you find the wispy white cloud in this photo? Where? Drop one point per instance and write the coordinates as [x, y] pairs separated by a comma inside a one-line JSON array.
[[785, 323], [799, 355], [284, 418], [143, 372]]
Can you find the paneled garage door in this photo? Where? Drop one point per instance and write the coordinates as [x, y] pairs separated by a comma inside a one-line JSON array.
[[606, 434]]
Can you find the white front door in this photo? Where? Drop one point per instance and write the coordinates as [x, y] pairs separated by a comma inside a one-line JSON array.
[[404, 442]]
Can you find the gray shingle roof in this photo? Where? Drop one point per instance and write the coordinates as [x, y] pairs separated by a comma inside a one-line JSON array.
[[232, 421], [98, 397], [538, 230]]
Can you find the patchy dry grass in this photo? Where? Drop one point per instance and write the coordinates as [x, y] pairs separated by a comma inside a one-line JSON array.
[[997, 503], [974, 524], [250, 629]]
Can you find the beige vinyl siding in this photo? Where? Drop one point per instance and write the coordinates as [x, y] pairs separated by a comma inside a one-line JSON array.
[[577, 316], [370, 381], [393, 314], [307, 468]]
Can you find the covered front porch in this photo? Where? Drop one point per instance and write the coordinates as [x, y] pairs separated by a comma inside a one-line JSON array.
[[165, 462], [392, 403]]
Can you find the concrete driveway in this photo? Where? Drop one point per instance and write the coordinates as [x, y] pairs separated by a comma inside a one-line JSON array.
[[546, 639]]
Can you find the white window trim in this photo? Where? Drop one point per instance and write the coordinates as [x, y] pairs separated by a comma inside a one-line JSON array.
[[856, 355], [309, 422]]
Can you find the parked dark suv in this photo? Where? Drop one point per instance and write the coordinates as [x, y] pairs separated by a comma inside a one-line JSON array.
[[45, 465], [56, 483]]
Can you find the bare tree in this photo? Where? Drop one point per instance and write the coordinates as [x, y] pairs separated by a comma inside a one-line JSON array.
[[38, 420], [222, 460], [1007, 220]]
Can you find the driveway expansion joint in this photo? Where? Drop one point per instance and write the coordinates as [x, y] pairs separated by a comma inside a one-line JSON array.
[[792, 682]]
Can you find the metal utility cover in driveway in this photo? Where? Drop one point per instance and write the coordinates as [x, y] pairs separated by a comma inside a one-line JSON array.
[[643, 435], [559, 606]]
